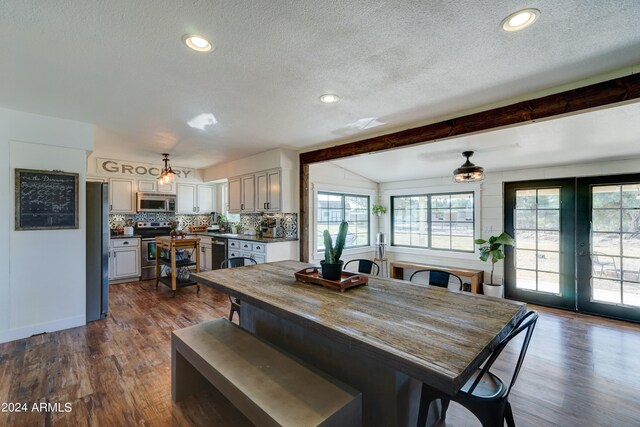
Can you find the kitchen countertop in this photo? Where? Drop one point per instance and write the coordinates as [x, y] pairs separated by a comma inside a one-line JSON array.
[[249, 237], [124, 236]]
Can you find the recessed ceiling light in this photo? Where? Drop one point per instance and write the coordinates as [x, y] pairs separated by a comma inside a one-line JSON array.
[[329, 98], [197, 43], [520, 20]]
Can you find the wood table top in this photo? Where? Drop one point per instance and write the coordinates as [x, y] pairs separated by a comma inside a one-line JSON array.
[[432, 334]]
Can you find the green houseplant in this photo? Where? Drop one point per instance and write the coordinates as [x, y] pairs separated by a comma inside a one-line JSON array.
[[332, 264], [378, 210], [493, 250]]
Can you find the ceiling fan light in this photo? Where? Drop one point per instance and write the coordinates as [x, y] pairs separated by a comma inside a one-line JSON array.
[[468, 172]]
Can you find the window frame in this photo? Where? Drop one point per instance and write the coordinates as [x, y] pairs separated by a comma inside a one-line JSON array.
[[348, 191], [436, 190]]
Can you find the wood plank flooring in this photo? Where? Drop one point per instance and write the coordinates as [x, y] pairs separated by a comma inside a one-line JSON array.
[[580, 370]]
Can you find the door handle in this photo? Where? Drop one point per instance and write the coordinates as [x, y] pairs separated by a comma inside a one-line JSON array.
[[125, 243]]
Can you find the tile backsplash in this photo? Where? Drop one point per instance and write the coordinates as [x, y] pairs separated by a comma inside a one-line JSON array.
[[289, 221], [116, 220]]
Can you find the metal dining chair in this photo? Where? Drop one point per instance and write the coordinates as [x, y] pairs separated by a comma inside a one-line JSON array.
[[439, 278], [239, 261], [364, 266], [485, 395]]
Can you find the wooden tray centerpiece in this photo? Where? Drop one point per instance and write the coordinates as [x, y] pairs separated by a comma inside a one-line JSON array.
[[348, 280]]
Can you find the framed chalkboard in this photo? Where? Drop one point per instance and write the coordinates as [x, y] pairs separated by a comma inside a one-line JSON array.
[[46, 200]]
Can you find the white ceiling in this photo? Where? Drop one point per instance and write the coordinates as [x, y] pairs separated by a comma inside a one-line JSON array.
[[121, 65], [607, 134]]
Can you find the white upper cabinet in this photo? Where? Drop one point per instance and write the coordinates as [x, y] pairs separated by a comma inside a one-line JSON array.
[[206, 199], [195, 199], [148, 186], [242, 194], [248, 193], [259, 192], [235, 195], [268, 191], [122, 195]]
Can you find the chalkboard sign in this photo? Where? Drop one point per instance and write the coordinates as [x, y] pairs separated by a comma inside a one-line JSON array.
[[46, 200]]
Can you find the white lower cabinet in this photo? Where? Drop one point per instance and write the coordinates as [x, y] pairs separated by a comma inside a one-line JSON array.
[[206, 255], [262, 252], [124, 259]]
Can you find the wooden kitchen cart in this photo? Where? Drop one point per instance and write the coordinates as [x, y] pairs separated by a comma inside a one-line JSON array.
[[180, 255], [475, 276]]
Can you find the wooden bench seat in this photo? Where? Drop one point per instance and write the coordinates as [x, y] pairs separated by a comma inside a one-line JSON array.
[[268, 386]]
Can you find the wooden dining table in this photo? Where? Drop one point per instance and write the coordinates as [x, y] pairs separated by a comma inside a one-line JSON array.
[[383, 338]]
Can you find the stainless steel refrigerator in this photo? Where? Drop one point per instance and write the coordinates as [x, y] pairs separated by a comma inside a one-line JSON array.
[[97, 250]]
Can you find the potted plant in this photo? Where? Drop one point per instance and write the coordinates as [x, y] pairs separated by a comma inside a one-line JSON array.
[[332, 264], [378, 210], [492, 249]]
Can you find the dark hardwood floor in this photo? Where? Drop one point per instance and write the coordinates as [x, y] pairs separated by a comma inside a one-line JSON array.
[[580, 370]]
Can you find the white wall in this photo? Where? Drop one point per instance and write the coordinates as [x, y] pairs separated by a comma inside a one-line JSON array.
[[277, 158], [491, 206], [43, 285], [330, 177]]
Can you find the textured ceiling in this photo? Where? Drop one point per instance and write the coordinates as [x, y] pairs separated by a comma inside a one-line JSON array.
[[121, 65], [607, 134]]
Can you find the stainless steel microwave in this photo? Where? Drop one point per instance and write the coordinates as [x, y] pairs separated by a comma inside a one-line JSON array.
[[155, 202]]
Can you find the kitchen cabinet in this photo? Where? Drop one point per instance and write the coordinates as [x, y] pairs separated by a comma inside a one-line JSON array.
[[122, 195], [262, 252], [242, 191], [268, 191], [148, 186], [124, 259], [206, 254], [235, 195], [195, 198]]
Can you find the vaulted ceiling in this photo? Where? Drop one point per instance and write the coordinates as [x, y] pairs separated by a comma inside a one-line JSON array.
[[122, 66]]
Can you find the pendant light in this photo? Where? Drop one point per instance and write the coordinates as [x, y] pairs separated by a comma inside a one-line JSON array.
[[167, 176], [468, 172]]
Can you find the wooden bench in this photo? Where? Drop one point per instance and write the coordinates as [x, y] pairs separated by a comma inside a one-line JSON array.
[[475, 276], [268, 386]]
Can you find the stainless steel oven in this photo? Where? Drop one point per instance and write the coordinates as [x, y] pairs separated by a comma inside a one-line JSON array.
[[148, 232]]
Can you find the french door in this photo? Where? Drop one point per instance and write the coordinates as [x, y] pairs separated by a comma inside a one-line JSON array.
[[577, 244], [541, 267], [608, 243]]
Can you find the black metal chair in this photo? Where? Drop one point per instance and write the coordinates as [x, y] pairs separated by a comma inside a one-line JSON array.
[[485, 394], [439, 278], [365, 266], [232, 263]]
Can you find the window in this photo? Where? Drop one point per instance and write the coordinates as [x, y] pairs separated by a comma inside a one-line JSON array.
[[433, 221], [332, 208]]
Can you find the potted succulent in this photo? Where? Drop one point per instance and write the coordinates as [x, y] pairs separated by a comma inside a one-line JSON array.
[[378, 210], [332, 264], [492, 250]]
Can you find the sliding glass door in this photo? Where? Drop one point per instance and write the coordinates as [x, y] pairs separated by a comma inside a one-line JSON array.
[[577, 244]]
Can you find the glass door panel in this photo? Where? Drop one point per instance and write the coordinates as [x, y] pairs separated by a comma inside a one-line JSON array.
[[537, 214], [609, 226], [538, 222]]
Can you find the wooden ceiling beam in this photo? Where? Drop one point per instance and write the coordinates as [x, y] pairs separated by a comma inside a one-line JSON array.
[[611, 92]]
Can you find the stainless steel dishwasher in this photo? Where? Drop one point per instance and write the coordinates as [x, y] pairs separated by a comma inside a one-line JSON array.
[[218, 252]]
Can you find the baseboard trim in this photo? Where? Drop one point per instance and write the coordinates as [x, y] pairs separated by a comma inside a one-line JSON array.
[[27, 331]]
